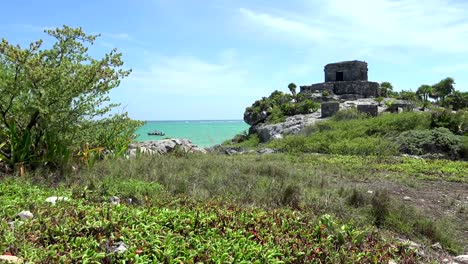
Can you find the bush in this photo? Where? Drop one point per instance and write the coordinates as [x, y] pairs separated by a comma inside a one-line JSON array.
[[439, 140], [278, 106], [51, 98], [348, 114], [457, 122]]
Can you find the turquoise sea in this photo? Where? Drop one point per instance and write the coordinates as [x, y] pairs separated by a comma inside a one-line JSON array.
[[204, 133]]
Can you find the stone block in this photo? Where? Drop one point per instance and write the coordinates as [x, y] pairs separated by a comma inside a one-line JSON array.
[[371, 110], [330, 108]]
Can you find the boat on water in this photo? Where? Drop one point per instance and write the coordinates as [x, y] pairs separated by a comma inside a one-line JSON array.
[[156, 133]]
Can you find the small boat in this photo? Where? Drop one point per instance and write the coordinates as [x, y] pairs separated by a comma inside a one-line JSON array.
[[156, 133]]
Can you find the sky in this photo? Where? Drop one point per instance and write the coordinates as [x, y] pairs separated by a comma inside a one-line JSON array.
[[210, 59]]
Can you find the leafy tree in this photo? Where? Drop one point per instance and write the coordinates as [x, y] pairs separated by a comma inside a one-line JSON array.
[[385, 88], [292, 87], [408, 95], [457, 100], [423, 92], [443, 88], [51, 98]]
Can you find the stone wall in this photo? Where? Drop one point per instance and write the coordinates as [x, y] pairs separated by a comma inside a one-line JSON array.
[[364, 88], [351, 70], [317, 87]]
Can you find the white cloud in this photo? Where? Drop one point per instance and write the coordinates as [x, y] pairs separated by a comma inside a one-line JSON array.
[[285, 25], [432, 25], [184, 75]]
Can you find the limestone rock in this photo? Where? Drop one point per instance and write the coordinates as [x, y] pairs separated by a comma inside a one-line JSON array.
[[10, 259], [118, 247], [25, 215], [292, 125], [462, 259], [114, 200], [252, 118], [266, 151], [163, 146], [54, 199]]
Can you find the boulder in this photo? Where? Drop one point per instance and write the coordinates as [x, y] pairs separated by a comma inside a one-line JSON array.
[[25, 215], [253, 118], [462, 259], [292, 125], [163, 146]]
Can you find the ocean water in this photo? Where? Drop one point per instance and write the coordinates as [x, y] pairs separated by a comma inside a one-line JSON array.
[[203, 133]]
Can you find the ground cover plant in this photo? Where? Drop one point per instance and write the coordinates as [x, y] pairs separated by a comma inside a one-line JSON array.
[[216, 208]]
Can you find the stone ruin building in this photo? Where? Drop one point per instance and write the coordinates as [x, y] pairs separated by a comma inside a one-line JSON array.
[[347, 79]]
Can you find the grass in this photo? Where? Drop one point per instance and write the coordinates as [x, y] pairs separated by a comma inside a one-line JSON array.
[[254, 208]]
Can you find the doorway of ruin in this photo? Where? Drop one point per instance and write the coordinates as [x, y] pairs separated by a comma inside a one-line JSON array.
[[339, 76]]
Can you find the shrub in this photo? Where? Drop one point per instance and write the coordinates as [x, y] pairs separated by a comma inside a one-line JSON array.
[[457, 122], [439, 140], [51, 98], [348, 114], [278, 106], [380, 207]]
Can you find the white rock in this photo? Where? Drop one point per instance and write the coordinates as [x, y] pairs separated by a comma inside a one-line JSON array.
[[114, 200], [370, 192], [436, 246], [118, 247], [463, 259], [25, 215], [10, 259], [54, 199], [407, 198]]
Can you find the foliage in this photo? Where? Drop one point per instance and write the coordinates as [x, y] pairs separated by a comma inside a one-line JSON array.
[[176, 214], [244, 140], [439, 140], [379, 100], [408, 95], [348, 114], [456, 101], [385, 89], [443, 88], [457, 122], [279, 105], [51, 98], [423, 92], [348, 133], [292, 88]]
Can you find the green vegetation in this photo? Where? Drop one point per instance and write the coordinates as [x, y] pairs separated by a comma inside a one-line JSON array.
[[349, 133], [51, 99], [294, 209], [279, 105]]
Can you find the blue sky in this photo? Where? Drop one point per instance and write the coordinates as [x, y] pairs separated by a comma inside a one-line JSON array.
[[210, 59]]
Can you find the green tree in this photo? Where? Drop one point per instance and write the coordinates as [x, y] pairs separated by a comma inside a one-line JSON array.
[[423, 92], [408, 95], [292, 87], [443, 88], [385, 88], [51, 98], [457, 100]]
